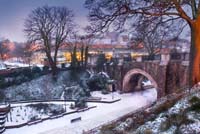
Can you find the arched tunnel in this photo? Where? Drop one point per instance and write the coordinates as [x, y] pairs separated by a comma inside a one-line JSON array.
[[138, 80]]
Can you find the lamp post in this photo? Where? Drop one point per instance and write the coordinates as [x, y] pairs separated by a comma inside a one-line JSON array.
[[113, 88], [65, 102], [112, 94]]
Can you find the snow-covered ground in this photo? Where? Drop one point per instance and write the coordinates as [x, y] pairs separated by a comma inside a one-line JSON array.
[[22, 113], [106, 97], [91, 118], [16, 64]]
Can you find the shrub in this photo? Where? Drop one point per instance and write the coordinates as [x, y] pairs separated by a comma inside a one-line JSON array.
[[34, 118], [36, 70], [39, 106], [163, 107], [108, 129], [195, 103], [194, 99], [97, 82], [2, 82], [2, 96], [45, 68], [57, 112], [18, 80], [195, 107], [63, 65], [19, 76], [104, 91], [72, 106], [80, 102], [26, 72]]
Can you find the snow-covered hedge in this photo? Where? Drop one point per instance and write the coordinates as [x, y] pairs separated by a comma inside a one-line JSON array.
[[44, 87], [20, 76], [99, 82]]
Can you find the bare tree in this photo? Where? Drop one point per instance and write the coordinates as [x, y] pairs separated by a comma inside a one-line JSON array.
[[86, 41], [50, 26], [150, 35], [18, 51], [72, 45], [80, 40], [28, 52], [105, 13], [4, 49]]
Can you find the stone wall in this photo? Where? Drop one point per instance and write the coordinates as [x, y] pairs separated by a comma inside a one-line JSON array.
[[177, 76], [169, 77]]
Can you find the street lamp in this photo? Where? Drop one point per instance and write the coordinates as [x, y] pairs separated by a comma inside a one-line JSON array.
[[65, 102]]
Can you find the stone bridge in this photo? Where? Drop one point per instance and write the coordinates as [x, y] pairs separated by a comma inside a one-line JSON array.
[[166, 78]]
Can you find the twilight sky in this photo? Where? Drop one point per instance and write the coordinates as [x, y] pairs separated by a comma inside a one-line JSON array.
[[14, 12]]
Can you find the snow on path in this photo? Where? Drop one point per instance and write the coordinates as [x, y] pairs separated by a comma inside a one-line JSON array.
[[92, 118]]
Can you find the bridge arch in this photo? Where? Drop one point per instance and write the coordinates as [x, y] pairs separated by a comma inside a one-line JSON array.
[[126, 87]]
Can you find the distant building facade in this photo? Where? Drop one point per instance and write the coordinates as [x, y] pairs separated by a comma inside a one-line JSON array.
[[113, 50]]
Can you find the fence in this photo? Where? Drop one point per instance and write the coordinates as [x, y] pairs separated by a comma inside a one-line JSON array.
[[3, 114]]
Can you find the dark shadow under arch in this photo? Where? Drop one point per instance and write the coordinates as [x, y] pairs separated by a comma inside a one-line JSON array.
[[126, 85]]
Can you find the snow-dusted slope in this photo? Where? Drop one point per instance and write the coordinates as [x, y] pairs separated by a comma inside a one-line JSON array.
[[43, 87]]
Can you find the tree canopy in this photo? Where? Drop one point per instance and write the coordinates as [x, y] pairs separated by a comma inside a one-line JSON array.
[[173, 15], [4, 49], [50, 26]]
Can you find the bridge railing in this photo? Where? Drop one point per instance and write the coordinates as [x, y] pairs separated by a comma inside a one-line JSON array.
[[179, 56], [172, 56]]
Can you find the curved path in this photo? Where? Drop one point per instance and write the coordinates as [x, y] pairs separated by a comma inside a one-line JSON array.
[[92, 118]]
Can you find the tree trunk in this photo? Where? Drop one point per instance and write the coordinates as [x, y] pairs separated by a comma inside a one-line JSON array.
[[195, 53], [52, 64], [54, 69], [82, 55], [86, 56]]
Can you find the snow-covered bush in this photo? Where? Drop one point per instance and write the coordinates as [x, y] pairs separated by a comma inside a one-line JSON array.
[[19, 76], [27, 72], [81, 102], [2, 82], [2, 96], [39, 106], [195, 103], [183, 118], [45, 68], [126, 125], [75, 92], [36, 70], [98, 82], [50, 109], [79, 93]]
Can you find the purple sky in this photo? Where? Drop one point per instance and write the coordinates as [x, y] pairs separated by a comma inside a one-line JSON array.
[[14, 12]]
